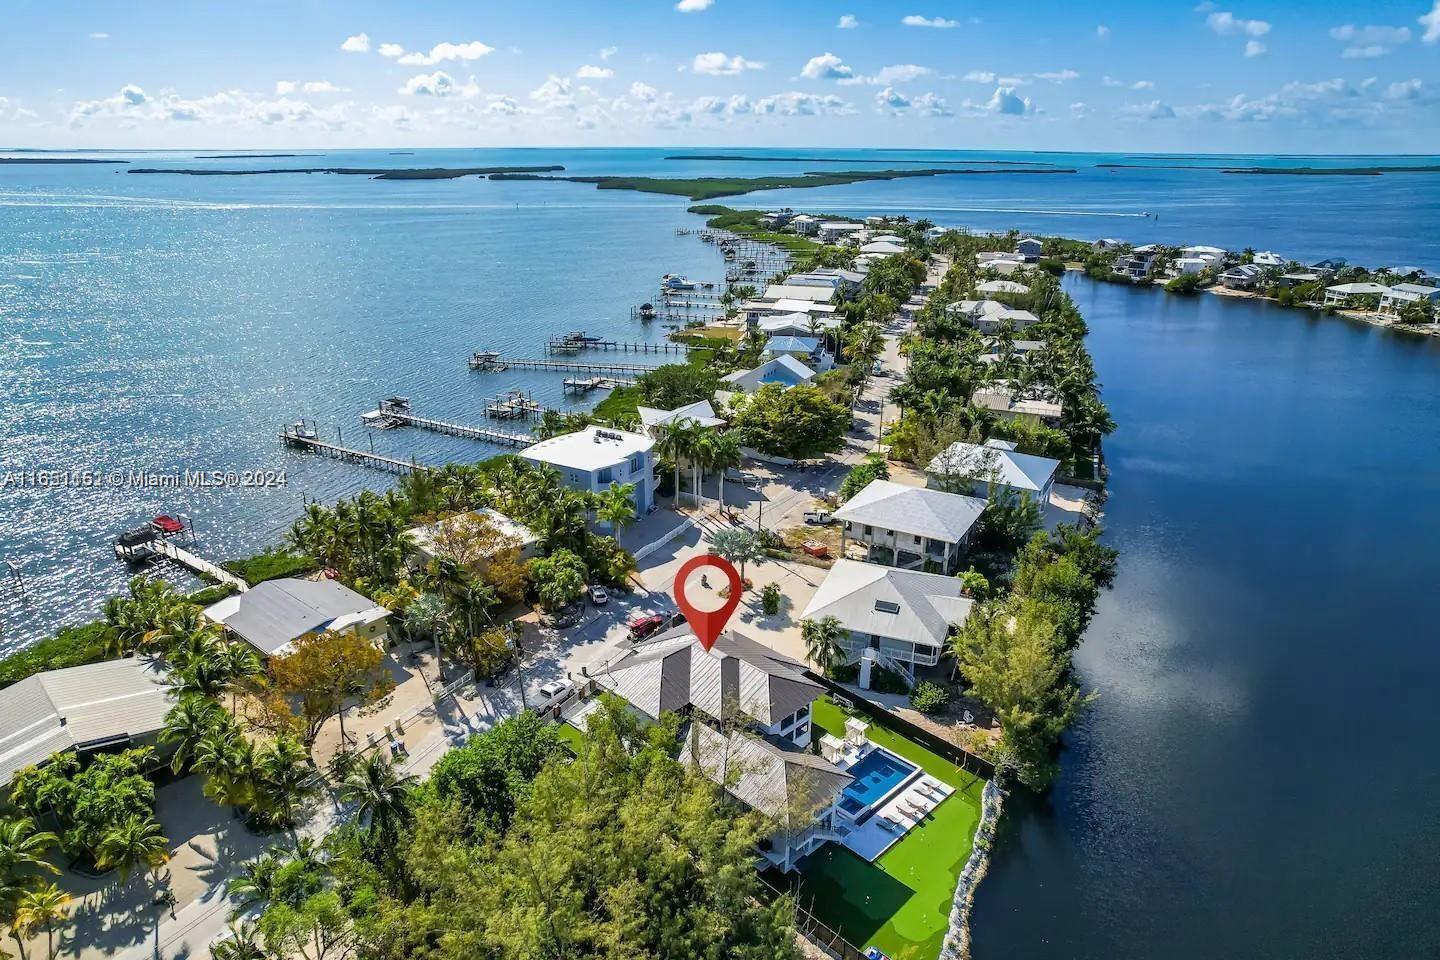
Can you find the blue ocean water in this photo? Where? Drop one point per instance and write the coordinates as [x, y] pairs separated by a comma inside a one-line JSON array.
[[1252, 779]]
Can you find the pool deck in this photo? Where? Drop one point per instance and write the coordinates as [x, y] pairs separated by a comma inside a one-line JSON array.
[[900, 810]]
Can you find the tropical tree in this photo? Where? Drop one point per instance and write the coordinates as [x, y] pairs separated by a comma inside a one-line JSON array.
[[238, 663], [739, 545], [324, 671], [822, 642], [187, 723], [239, 942], [616, 506], [283, 780], [42, 910], [559, 578], [381, 795], [428, 614], [724, 454], [227, 759], [137, 844]]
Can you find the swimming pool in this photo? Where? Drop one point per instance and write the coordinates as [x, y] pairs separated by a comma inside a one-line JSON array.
[[877, 773]]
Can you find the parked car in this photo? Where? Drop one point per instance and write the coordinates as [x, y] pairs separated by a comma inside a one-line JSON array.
[[597, 594], [551, 689], [675, 619], [642, 627], [819, 518]]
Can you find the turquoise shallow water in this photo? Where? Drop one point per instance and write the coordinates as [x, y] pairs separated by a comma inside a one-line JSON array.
[[1252, 780]]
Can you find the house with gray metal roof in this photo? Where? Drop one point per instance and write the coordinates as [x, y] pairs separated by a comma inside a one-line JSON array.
[[272, 615], [909, 527], [974, 468], [114, 703]]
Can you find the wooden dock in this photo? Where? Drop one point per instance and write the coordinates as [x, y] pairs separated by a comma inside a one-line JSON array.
[[504, 438], [564, 366], [200, 565], [366, 458], [574, 345], [586, 384]]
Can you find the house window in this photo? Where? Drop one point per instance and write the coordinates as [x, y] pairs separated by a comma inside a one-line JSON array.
[[606, 475], [917, 539], [801, 731], [869, 530], [637, 463]]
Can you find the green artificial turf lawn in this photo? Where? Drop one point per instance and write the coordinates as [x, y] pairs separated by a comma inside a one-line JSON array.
[[901, 902]]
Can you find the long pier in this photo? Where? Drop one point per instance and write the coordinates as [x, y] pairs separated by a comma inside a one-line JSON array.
[[198, 564], [488, 434], [575, 345], [366, 458], [480, 362]]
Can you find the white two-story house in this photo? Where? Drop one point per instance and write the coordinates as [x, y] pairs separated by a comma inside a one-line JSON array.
[[913, 528], [594, 458]]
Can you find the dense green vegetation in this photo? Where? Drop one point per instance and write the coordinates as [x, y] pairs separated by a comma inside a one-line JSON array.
[[707, 188], [513, 849], [796, 423], [753, 159], [71, 647], [270, 565]]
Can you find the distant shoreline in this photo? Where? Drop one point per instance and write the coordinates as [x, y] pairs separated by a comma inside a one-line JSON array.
[[732, 156], [376, 173], [26, 161]]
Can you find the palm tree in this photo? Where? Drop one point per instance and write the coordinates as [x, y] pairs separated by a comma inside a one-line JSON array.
[[227, 759], [725, 455], [282, 781], [381, 796], [187, 723], [822, 642], [258, 882], [428, 613], [42, 909], [237, 662], [617, 507], [137, 843], [239, 942]]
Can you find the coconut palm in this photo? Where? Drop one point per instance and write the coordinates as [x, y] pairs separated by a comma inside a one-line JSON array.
[[428, 614], [239, 942], [227, 759], [822, 642], [137, 843], [677, 443], [42, 909], [617, 507], [381, 796], [282, 781], [724, 451], [258, 882], [187, 723], [238, 663]]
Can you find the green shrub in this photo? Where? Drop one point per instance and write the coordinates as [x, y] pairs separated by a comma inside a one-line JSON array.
[[770, 599], [212, 594], [271, 565], [883, 680], [929, 697], [71, 647]]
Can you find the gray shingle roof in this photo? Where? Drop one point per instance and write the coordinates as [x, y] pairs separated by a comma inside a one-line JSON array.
[[924, 605], [79, 706]]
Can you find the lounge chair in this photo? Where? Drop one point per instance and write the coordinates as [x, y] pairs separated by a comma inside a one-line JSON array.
[[891, 823]]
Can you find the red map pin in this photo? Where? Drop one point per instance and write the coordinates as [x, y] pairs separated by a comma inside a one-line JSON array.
[[707, 624]]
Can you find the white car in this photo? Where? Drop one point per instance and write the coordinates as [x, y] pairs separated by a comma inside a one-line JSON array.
[[552, 691]]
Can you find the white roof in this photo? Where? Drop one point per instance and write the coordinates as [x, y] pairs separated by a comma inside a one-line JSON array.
[[995, 462], [798, 291], [803, 218], [784, 369], [797, 322], [882, 247], [590, 449], [1002, 286], [917, 510], [78, 707], [1001, 398], [424, 536], [700, 412], [790, 305], [1203, 251], [1418, 289], [1352, 289], [846, 225], [978, 308], [865, 597], [270, 615], [888, 238]]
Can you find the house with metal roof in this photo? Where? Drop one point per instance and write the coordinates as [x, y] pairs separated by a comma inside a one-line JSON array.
[[1402, 293], [797, 324], [975, 468], [592, 459], [1001, 399], [799, 291], [271, 616], [655, 421], [1349, 294], [1001, 286], [899, 619], [804, 349], [912, 528], [98, 706], [784, 370]]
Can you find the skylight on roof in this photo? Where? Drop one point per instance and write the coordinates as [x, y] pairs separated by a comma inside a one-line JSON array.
[[887, 606]]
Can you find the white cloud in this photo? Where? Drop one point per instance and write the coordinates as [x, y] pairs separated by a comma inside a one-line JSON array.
[[643, 92], [609, 52], [556, 93], [591, 72], [442, 52], [1005, 101], [1112, 82], [1154, 110], [1141, 85], [391, 50], [847, 22], [439, 84], [1102, 32], [1431, 23], [794, 104], [717, 64], [1369, 42], [1254, 48], [986, 77], [1405, 89], [1079, 110], [693, 6], [1226, 24], [133, 105], [827, 66], [894, 102], [360, 43], [894, 73], [937, 23], [1058, 76], [99, 36], [283, 87]]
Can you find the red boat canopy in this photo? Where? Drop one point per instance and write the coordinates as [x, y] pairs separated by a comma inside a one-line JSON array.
[[167, 524]]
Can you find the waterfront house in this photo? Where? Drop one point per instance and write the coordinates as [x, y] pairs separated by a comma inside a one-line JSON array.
[[1242, 277], [1343, 295], [784, 370], [805, 225], [271, 616], [974, 468], [991, 316], [105, 706], [898, 619], [755, 310], [1298, 277], [989, 287], [1137, 265], [908, 527], [428, 541], [1402, 293], [1268, 258], [1106, 243], [806, 292], [1002, 400], [838, 231], [1029, 249], [804, 349], [594, 458], [797, 324], [654, 421], [813, 280], [1190, 265], [1204, 253], [749, 730]]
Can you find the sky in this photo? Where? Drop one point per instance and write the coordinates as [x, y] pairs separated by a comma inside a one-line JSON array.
[[1142, 75]]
